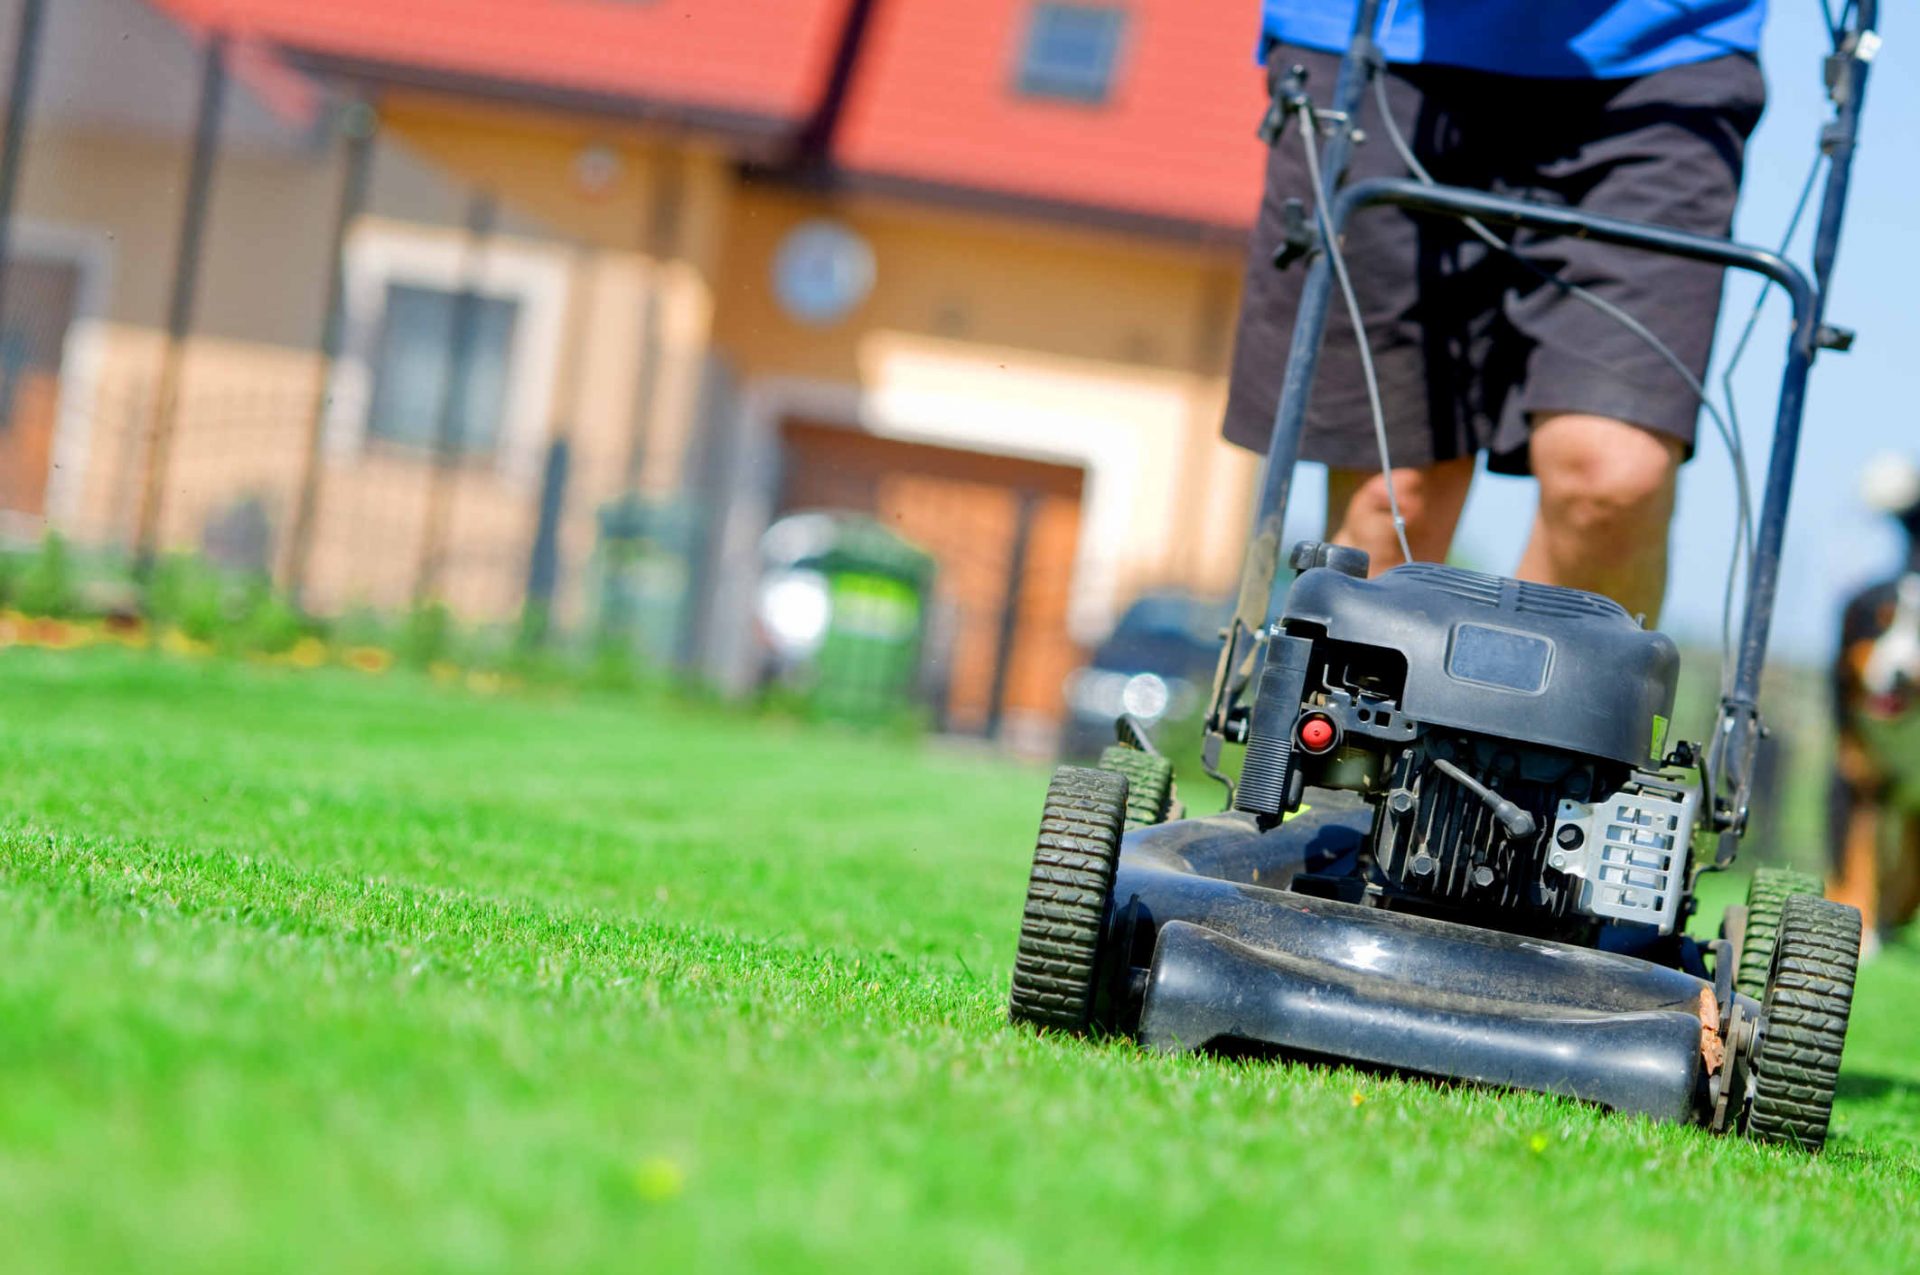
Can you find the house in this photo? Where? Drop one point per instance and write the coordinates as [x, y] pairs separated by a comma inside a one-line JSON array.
[[971, 269]]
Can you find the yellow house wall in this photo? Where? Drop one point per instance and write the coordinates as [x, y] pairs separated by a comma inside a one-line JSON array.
[[266, 235], [532, 161], [1064, 344], [652, 235]]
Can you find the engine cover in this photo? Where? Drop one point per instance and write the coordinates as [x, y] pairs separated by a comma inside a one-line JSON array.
[[1506, 659]]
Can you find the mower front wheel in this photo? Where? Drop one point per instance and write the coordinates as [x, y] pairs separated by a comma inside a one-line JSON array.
[[1069, 891], [1767, 894], [1150, 797], [1803, 1021]]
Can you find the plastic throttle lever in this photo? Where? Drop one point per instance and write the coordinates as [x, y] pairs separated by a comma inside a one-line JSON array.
[[1266, 771]]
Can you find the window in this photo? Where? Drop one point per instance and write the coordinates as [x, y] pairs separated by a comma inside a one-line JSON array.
[[1071, 51], [412, 366], [401, 284]]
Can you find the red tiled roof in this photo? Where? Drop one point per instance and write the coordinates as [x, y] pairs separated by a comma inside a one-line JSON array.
[[933, 99], [759, 58]]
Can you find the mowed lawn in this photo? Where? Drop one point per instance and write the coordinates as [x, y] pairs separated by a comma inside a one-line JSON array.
[[325, 971]]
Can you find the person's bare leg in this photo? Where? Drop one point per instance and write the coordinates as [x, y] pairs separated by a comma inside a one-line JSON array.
[[1430, 500], [1606, 498]]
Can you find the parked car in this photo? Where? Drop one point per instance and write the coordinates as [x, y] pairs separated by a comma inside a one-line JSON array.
[[1156, 664]]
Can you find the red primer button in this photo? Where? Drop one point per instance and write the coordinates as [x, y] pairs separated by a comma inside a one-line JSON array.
[[1316, 733]]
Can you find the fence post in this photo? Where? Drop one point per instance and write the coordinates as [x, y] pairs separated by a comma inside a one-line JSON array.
[[26, 59], [711, 479], [543, 558], [186, 277], [1024, 518], [453, 399], [359, 124], [661, 242], [543, 563]]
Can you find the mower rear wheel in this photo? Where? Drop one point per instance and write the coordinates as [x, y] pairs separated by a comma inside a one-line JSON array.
[[1149, 784], [1068, 893], [1767, 894], [1803, 1021]]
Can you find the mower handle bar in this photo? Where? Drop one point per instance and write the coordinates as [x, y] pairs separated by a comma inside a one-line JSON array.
[[1737, 730], [1728, 772], [1501, 210]]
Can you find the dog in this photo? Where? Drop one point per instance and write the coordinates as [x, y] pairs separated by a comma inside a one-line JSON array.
[[1874, 806]]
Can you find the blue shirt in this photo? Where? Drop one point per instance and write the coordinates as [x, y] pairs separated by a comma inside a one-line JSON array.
[[1556, 39]]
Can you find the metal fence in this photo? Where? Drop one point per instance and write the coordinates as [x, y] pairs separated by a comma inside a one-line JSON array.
[[252, 321], [272, 336]]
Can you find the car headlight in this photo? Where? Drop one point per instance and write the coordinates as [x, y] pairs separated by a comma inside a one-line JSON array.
[[1107, 693], [1097, 692], [1145, 696], [795, 609]]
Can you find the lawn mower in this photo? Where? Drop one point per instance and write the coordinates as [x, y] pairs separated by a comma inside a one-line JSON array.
[[1461, 845]]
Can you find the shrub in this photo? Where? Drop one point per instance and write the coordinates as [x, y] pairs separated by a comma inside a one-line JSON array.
[[269, 623], [426, 637], [48, 584], [188, 594]]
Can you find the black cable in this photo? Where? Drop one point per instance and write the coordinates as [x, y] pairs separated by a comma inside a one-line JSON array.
[[1726, 391], [1310, 135]]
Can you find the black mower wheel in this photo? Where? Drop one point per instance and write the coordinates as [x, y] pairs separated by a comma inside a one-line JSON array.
[[1149, 784], [1767, 893], [1055, 968], [1803, 1023]]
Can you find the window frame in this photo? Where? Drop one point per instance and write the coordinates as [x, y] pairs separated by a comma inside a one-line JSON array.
[[462, 451], [1052, 83], [534, 274]]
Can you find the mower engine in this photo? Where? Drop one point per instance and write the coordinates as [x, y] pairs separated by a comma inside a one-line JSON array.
[[1508, 734]]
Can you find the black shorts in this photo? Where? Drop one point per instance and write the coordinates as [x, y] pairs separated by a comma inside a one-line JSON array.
[[1470, 345]]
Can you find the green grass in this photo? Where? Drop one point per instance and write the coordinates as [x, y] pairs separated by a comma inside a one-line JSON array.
[[324, 972]]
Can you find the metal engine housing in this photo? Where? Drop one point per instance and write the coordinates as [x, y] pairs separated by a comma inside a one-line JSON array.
[[1507, 734], [1484, 655]]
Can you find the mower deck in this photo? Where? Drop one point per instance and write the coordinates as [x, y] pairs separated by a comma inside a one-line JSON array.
[[1233, 958]]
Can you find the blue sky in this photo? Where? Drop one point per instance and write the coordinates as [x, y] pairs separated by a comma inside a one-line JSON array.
[[1860, 403]]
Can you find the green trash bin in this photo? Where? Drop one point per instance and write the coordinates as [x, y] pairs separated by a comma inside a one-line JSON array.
[[842, 614], [641, 571]]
